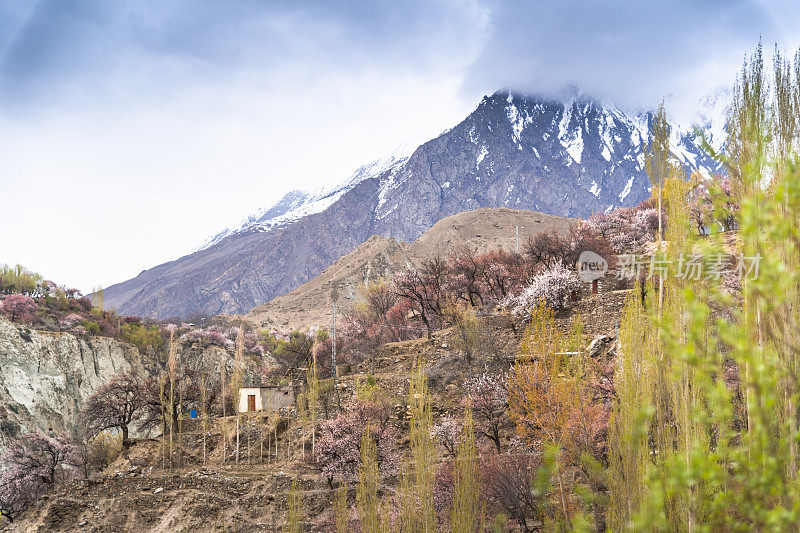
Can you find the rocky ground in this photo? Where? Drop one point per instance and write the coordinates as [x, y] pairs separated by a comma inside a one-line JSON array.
[[138, 494]]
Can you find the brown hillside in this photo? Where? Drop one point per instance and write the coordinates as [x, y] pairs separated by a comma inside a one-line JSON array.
[[137, 494], [310, 303], [483, 230]]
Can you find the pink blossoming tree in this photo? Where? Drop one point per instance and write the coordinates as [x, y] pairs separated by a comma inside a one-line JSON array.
[[33, 463], [338, 449], [487, 394], [19, 308]]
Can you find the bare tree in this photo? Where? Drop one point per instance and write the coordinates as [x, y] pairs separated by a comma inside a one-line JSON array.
[[114, 406], [424, 289], [467, 275], [518, 485], [547, 247]]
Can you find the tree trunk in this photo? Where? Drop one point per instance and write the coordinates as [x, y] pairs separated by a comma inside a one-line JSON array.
[[427, 325], [563, 498], [660, 278]]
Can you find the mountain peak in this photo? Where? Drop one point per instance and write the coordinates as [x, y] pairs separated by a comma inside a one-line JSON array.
[[567, 157], [296, 204]]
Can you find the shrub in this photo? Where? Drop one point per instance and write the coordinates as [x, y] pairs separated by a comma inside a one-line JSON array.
[[141, 336], [98, 453], [91, 328]]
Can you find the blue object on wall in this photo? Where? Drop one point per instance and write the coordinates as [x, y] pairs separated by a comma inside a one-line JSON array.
[[193, 413]]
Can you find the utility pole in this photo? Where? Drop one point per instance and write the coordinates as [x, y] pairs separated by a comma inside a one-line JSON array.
[[334, 299], [333, 343]]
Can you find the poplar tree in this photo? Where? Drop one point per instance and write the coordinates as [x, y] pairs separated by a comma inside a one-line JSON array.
[[236, 382], [785, 114], [466, 514], [172, 366], [710, 464], [294, 513], [747, 125], [98, 297], [415, 495], [204, 418], [629, 454], [544, 392], [223, 383], [656, 158], [237, 377], [657, 166], [313, 400], [368, 480], [423, 451], [340, 509]]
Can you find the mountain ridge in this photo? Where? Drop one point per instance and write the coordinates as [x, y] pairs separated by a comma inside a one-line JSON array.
[[481, 230], [568, 159]]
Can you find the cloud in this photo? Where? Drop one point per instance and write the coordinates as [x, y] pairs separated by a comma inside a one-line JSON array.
[[631, 52], [130, 132], [129, 135], [65, 50]]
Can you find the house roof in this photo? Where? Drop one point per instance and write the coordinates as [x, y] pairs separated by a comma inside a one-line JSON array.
[[265, 387]]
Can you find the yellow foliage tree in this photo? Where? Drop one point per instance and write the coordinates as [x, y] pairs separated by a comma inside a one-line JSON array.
[[545, 391]]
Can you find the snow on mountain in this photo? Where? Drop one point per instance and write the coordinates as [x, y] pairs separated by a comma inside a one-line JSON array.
[[565, 157], [617, 136], [712, 113], [298, 204]]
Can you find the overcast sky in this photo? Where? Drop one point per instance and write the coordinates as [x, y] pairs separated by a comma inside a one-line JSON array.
[[131, 131]]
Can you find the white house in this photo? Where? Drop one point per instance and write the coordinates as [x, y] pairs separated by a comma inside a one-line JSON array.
[[266, 398]]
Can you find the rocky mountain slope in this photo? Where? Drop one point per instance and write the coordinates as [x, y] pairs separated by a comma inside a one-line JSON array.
[[482, 230], [45, 377], [566, 158]]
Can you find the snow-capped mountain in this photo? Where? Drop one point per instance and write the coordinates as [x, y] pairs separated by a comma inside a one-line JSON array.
[[571, 157], [297, 204]]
